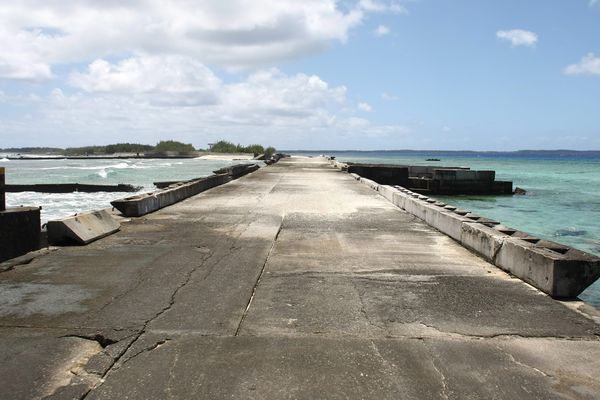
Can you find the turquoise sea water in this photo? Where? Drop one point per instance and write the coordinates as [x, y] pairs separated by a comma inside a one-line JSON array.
[[562, 201]]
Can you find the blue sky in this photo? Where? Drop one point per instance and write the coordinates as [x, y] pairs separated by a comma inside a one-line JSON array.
[[369, 74]]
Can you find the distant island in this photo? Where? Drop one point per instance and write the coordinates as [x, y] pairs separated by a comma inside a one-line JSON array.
[[523, 153], [162, 148]]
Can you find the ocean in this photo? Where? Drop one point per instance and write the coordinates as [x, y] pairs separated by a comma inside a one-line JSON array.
[[562, 201], [137, 172]]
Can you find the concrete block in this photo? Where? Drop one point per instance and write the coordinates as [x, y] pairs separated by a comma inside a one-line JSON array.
[[388, 192], [381, 173], [399, 199], [559, 275], [83, 228], [417, 208], [238, 170], [446, 222], [19, 231], [481, 239], [340, 166], [136, 206], [355, 176], [372, 184]]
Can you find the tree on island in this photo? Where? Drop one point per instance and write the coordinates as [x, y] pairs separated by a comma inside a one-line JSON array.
[[223, 146], [128, 148], [171, 145]]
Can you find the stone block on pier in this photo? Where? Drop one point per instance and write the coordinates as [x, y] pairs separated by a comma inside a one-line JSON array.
[[82, 228], [559, 273], [19, 231]]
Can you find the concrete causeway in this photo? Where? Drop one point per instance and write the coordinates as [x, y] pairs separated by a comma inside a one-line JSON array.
[[293, 282]]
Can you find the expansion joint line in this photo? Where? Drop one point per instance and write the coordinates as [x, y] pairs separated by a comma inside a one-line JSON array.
[[262, 271]]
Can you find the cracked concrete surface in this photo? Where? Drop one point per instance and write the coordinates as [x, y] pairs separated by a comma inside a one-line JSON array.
[[293, 282]]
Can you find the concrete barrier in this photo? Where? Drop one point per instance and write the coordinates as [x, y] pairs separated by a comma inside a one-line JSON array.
[[143, 204], [82, 228], [372, 184], [553, 268], [548, 268], [19, 231], [340, 166], [381, 173], [482, 239], [238, 170], [387, 192]]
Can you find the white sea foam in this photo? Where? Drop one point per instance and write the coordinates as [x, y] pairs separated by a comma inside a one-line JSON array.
[[4, 159], [121, 165]]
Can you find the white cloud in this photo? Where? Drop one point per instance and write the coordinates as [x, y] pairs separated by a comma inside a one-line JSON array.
[[366, 107], [518, 37], [382, 30], [20, 57], [592, 2], [109, 101], [38, 34], [158, 79], [389, 97], [446, 129], [150, 70], [394, 6], [589, 65]]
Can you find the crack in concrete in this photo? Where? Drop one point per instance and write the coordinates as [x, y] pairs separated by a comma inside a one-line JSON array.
[[389, 367], [117, 363], [495, 255], [262, 271], [99, 338], [388, 336], [517, 362], [154, 346], [444, 383], [363, 309]]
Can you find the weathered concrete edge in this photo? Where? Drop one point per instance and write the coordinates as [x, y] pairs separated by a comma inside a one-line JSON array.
[[555, 269], [145, 203], [25, 259]]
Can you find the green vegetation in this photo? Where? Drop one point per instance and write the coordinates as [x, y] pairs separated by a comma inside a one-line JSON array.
[[269, 151], [109, 149], [223, 146], [171, 145], [128, 148], [164, 146], [34, 150], [84, 151]]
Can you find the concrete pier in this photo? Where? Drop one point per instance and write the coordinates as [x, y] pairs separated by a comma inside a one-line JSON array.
[[296, 281]]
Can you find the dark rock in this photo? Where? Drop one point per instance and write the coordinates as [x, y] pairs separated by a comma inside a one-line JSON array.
[[520, 191], [571, 231]]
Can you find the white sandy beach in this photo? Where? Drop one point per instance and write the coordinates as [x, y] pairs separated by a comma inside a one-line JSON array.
[[233, 156]]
